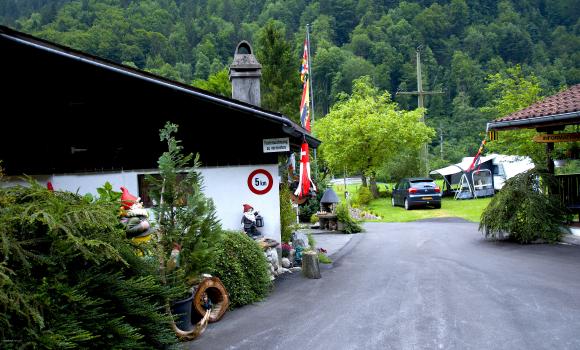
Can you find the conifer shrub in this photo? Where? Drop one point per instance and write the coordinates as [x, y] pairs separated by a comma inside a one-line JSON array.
[[185, 216], [70, 279], [525, 210], [242, 267]]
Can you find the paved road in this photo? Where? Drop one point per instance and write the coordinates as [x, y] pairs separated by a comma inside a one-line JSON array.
[[429, 285]]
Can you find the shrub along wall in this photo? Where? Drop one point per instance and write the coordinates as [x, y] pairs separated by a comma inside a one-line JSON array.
[[242, 267]]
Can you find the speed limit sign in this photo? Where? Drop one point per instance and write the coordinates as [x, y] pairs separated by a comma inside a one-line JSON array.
[[260, 181]]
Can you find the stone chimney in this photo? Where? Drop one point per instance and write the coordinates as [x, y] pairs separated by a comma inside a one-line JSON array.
[[245, 73]]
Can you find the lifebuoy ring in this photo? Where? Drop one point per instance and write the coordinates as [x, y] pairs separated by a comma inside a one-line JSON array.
[[218, 295]]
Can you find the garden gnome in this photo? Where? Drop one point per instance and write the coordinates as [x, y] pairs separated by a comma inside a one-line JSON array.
[[249, 221], [135, 217]]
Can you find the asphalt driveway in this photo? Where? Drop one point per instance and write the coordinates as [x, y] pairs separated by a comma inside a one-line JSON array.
[[422, 285]]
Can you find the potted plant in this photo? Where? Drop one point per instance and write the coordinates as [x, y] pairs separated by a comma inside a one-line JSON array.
[[187, 225]]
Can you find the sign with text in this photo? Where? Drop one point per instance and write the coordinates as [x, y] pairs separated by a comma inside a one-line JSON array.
[[276, 145], [260, 181], [567, 137]]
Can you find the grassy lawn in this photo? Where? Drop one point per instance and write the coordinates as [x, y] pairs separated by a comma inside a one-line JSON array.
[[466, 209]]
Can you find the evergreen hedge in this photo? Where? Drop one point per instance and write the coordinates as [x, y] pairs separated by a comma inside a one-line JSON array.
[[70, 279], [242, 267]]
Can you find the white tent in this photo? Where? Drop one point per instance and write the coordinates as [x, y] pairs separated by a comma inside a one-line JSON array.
[[502, 167]]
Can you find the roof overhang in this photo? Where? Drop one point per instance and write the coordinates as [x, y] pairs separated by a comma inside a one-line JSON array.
[[536, 122], [66, 111]]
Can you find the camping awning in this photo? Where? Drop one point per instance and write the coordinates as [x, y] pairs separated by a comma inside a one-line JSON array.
[[460, 167]]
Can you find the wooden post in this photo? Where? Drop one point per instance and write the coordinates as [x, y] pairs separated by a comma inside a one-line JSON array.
[[310, 267], [550, 157]]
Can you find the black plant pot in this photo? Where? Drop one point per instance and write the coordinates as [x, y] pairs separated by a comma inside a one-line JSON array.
[[181, 309]]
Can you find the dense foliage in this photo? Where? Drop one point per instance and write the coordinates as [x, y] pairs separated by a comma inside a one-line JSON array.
[[343, 216], [366, 129], [70, 279], [287, 214], [363, 196], [463, 43], [525, 210], [312, 205], [185, 216], [242, 267]]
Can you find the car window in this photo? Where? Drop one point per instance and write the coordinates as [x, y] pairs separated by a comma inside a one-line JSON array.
[[424, 184]]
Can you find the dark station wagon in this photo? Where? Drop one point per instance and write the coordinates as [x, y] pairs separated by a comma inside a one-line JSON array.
[[417, 192]]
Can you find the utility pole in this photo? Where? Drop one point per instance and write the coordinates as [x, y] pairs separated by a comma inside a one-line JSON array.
[[441, 139], [420, 103]]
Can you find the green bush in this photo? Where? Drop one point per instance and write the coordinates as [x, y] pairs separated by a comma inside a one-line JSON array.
[[312, 205], [523, 211], [287, 214], [324, 259], [363, 196], [311, 241], [241, 265], [313, 219], [343, 215], [70, 279]]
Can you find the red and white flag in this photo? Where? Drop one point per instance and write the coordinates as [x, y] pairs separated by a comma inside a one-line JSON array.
[[305, 181], [305, 79]]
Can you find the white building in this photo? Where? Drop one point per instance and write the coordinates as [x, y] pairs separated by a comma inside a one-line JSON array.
[[78, 121]]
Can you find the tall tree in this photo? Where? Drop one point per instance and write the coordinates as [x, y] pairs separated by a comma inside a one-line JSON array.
[[365, 130], [514, 91], [281, 87]]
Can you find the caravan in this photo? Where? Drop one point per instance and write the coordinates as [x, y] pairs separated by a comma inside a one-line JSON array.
[[485, 180]]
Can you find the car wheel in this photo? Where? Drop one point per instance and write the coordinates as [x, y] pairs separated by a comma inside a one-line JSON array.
[[407, 206], [393, 201]]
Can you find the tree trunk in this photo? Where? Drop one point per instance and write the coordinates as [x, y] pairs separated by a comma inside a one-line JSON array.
[[373, 188], [364, 180], [310, 267]]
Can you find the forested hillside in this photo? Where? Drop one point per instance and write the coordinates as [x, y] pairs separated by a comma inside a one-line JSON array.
[[463, 42]]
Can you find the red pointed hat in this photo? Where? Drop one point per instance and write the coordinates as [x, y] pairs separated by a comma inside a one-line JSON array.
[[247, 207], [127, 199]]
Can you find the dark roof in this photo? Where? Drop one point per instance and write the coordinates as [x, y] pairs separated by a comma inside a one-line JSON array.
[[68, 111], [562, 108], [293, 129], [329, 196]]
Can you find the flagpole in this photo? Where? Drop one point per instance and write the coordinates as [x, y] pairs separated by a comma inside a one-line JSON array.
[[310, 74], [311, 95]]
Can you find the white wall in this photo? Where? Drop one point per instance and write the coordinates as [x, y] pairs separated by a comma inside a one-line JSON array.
[[227, 186]]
